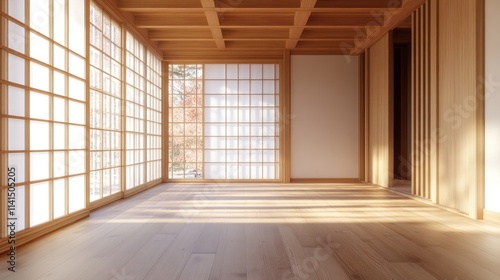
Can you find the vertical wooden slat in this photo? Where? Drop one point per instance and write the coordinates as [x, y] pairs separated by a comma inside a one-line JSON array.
[[434, 99], [361, 108], [368, 157], [285, 121], [165, 124]]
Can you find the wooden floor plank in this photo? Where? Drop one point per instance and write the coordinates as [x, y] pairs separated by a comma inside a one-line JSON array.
[[265, 231]]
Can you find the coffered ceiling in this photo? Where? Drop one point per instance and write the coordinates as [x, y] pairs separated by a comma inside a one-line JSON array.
[[194, 29]]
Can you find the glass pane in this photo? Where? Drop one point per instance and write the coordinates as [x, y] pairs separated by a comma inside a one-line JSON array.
[[39, 48], [16, 69], [76, 137], [59, 83], [76, 89], [76, 162], [59, 198], [215, 71], [76, 112], [59, 21], [39, 16], [59, 109], [39, 203], [59, 164], [39, 106], [39, 166], [59, 57], [20, 208], [215, 87], [16, 36], [76, 26], [17, 160], [16, 134], [39, 76], [16, 9], [76, 189], [39, 135], [16, 101], [76, 66]]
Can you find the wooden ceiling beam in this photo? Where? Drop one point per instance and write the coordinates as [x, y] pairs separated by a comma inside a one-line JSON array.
[[300, 20], [359, 4], [213, 21], [392, 18]]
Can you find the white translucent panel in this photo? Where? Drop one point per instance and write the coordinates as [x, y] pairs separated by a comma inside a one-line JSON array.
[[95, 185], [232, 100], [232, 171], [76, 137], [269, 130], [268, 156], [39, 48], [232, 115], [244, 87], [76, 89], [277, 71], [269, 115], [244, 71], [244, 143], [244, 100], [59, 109], [256, 100], [215, 115], [59, 136], [256, 171], [232, 130], [215, 130], [256, 87], [256, 130], [215, 87], [59, 83], [59, 164], [268, 142], [244, 130], [268, 71], [244, 171], [215, 171], [277, 87], [76, 26], [269, 87], [39, 106], [232, 155], [40, 16], [215, 71], [39, 135], [244, 115], [39, 166], [16, 9], [59, 57], [244, 155], [215, 100], [76, 111], [268, 101], [16, 102], [16, 37], [76, 193], [39, 203], [59, 198], [215, 156], [17, 160], [76, 66], [16, 134], [256, 71], [39, 76], [76, 162], [59, 16], [256, 142], [232, 71], [268, 171], [232, 87], [19, 214], [232, 142], [16, 69], [256, 115], [256, 155], [215, 143]]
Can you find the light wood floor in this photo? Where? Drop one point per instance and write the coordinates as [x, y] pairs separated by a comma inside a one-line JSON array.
[[186, 231]]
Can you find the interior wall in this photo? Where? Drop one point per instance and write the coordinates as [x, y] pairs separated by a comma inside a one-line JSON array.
[[324, 117], [460, 105], [379, 95], [492, 181]]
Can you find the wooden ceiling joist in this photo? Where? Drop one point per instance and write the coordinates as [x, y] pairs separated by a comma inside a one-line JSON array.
[[212, 27]]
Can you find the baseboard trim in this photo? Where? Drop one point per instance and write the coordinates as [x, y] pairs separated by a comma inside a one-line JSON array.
[[105, 201], [491, 216], [30, 234], [326, 180]]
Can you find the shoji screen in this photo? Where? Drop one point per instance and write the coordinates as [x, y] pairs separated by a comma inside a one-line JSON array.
[[44, 87], [224, 121], [105, 105]]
